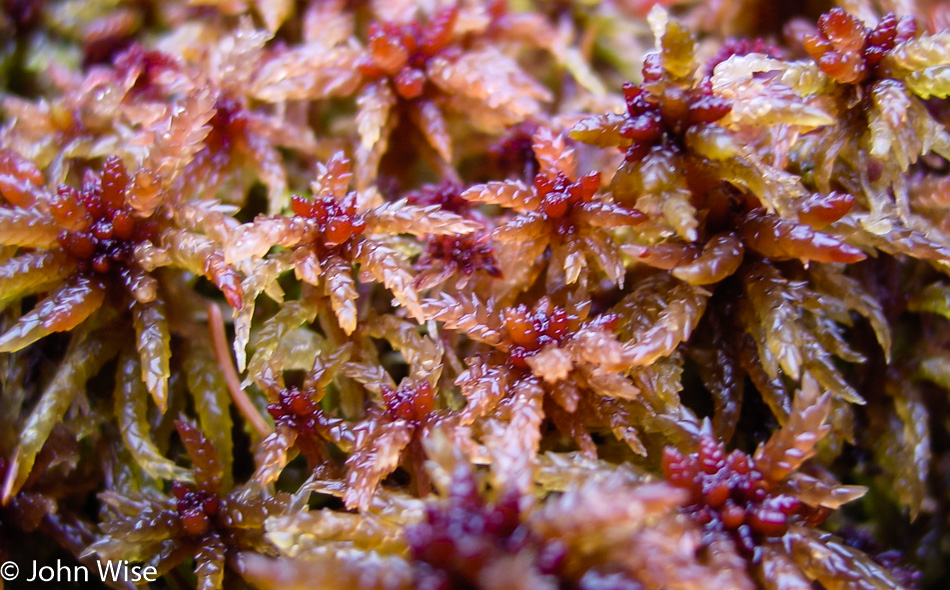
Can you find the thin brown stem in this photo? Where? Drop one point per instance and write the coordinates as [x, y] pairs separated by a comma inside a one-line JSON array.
[[221, 352]]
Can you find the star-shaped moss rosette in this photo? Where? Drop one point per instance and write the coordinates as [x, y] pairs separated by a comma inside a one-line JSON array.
[[206, 520], [876, 78], [420, 67], [301, 422], [338, 229], [245, 138], [563, 364], [560, 211], [84, 245], [761, 508], [397, 419], [467, 258], [91, 253], [682, 136]]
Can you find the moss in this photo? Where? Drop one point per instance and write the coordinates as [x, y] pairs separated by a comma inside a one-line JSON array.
[[477, 294]]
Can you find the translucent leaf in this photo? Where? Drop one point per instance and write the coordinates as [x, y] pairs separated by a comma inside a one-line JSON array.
[[399, 217], [598, 347], [602, 131], [712, 142], [273, 454], [32, 272], [27, 228], [152, 341], [551, 363], [257, 238], [664, 556], [374, 105], [777, 571], [262, 277], [772, 388], [659, 191], [141, 285], [325, 367], [677, 50], [376, 454], [606, 253], [465, 313], [678, 210], [20, 180], [204, 458], [931, 82], [329, 570], [334, 177], [559, 472], [918, 54], [309, 71], [271, 332], [341, 288], [721, 374], [720, 258], [489, 77], [385, 264], [568, 258], [600, 510], [835, 282], [131, 409], [723, 557], [774, 303], [483, 386], [896, 239], [429, 119], [794, 443], [209, 563], [329, 23], [61, 311], [610, 384], [553, 153], [319, 528], [374, 377], [158, 518], [671, 326], [819, 492], [423, 354], [513, 438], [83, 360], [604, 214], [827, 559], [368, 159], [306, 265], [904, 446], [510, 193], [175, 143], [203, 257], [301, 350], [780, 238], [212, 401], [765, 101], [887, 121]]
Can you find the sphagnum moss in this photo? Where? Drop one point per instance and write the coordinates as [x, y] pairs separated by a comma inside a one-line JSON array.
[[521, 294]]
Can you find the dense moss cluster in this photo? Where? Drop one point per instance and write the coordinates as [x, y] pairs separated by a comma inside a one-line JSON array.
[[529, 294]]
